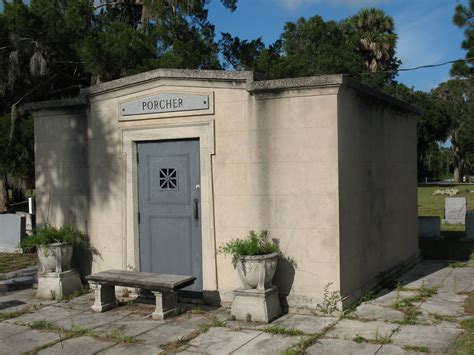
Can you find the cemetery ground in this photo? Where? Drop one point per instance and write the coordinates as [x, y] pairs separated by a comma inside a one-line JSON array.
[[429, 309], [433, 205], [451, 245], [10, 262], [428, 205]]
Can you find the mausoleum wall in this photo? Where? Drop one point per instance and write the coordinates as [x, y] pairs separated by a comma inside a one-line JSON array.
[[328, 170], [61, 167], [278, 171], [377, 189], [228, 113], [274, 167]]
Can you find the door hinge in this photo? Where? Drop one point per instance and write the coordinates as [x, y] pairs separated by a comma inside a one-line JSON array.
[[138, 217], [138, 157]]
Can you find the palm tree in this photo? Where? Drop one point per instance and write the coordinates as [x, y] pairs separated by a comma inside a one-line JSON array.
[[377, 39]]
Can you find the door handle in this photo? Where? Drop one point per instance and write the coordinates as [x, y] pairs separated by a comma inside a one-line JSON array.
[[196, 209]]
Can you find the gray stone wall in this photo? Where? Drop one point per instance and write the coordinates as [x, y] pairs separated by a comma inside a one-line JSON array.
[[377, 189], [290, 186], [62, 172]]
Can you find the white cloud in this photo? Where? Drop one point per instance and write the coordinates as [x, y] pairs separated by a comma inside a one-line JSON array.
[[294, 4]]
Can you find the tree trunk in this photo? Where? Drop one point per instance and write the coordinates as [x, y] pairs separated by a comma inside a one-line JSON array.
[[3, 195], [456, 174], [458, 165], [457, 159]]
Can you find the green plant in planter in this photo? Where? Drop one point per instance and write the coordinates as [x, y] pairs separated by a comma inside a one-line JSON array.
[[47, 234], [254, 244]]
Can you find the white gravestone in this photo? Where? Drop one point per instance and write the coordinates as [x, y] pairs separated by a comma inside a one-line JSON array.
[[12, 231], [455, 210], [469, 225], [429, 227]]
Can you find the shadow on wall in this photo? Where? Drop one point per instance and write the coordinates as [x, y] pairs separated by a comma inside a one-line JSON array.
[[82, 258], [75, 167], [262, 148], [284, 278]]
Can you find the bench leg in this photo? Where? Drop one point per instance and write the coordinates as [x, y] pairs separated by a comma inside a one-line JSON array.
[[166, 304], [104, 297]]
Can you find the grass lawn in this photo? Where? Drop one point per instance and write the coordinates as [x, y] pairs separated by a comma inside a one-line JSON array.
[[465, 344], [429, 205], [13, 261]]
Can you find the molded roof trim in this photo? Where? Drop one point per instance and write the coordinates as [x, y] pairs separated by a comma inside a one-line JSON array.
[[254, 87]]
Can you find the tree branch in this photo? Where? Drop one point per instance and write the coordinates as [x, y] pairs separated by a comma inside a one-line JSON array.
[[116, 3], [68, 61], [14, 107], [33, 90]]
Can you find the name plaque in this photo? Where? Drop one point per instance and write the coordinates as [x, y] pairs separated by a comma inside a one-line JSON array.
[[165, 103]]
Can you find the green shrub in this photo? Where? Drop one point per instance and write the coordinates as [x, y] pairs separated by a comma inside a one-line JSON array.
[[47, 234], [254, 244]]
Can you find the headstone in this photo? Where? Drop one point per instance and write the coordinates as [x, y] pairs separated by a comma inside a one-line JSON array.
[[455, 210], [12, 231], [28, 222], [469, 225], [429, 227]]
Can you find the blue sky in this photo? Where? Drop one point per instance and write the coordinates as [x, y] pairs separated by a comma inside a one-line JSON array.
[[426, 32]]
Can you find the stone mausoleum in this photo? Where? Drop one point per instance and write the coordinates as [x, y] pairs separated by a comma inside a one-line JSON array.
[[163, 167]]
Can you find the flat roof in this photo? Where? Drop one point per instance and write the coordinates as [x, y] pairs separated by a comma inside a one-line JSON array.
[[253, 86], [188, 74]]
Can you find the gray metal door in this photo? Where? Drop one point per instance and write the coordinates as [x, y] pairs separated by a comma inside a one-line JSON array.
[[169, 208]]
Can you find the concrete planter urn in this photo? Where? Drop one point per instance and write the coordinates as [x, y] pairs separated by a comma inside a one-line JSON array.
[[256, 271], [255, 259], [55, 257], [54, 248]]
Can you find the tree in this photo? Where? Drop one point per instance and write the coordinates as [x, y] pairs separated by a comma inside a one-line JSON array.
[[464, 18], [117, 50], [134, 36], [52, 48], [376, 39], [458, 94], [439, 161], [37, 61], [362, 44], [306, 47], [376, 43], [240, 54], [314, 46], [432, 124]]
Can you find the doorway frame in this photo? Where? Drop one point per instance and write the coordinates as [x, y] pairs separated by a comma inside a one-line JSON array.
[[161, 130]]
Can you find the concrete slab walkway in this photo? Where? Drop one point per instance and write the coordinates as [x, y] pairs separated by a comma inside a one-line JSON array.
[[423, 315]]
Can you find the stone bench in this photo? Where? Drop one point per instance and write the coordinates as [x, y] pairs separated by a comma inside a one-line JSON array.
[[164, 288]]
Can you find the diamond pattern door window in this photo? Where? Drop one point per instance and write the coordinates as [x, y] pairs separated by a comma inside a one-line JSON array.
[[168, 179]]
